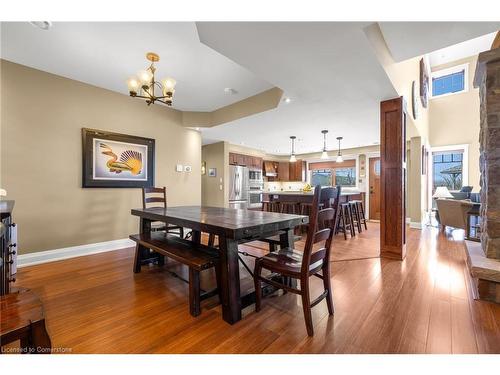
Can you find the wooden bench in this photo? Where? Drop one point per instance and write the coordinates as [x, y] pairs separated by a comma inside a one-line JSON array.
[[197, 257], [22, 318]]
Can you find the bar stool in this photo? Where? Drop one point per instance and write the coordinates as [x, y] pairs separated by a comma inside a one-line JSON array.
[[356, 218], [289, 208], [345, 220], [360, 213]]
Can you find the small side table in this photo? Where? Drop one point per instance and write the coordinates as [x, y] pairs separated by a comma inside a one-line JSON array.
[[473, 212]]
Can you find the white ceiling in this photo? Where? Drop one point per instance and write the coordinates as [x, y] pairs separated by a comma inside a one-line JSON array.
[[328, 70], [105, 54], [409, 39], [462, 50]]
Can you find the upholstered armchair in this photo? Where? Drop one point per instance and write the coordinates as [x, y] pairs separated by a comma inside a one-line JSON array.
[[453, 213]]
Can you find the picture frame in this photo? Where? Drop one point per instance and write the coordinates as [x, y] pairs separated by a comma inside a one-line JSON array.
[[114, 160], [424, 83], [212, 172]]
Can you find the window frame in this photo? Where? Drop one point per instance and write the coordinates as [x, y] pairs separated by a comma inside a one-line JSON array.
[[448, 71]]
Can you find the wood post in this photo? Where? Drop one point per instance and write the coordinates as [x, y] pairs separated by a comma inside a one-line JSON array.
[[392, 179]]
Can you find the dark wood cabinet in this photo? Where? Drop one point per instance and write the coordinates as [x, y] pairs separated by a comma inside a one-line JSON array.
[[284, 171], [233, 160], [253, 162], [8, 249], [297, 171]]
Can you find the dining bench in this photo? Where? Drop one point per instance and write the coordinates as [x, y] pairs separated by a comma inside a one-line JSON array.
[[197, 257]]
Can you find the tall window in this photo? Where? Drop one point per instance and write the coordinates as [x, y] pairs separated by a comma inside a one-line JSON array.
[[447, 169]]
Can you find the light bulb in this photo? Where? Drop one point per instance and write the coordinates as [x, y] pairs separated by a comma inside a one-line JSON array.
[[324, 155], [293, 159], [340, 159], [169, 84], [133, 84], [145, 77]]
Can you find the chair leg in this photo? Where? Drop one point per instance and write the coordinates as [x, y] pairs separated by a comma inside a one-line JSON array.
[[257, 284], [328, 287], [351, 221], [306, 305], [272, 247], [362, 209], [342, 218], [194, 292], [211, 240], [137, 259], [358, 218], [181, 232]]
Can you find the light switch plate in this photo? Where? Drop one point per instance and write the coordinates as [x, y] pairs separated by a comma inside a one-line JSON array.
[[187, 168], [178, 168]]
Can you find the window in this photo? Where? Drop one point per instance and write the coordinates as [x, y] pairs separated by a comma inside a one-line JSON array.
[[345, 176], [447, 169], [321, 177], [449, 81]]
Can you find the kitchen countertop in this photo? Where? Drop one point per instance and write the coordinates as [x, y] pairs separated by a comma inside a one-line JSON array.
[[348, 192]]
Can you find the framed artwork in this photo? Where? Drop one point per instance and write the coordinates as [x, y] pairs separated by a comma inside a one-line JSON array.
[[113, 160], [414, 100], [424, 83], [212, 172]]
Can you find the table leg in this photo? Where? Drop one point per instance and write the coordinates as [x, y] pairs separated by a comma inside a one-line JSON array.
[[230, 280]]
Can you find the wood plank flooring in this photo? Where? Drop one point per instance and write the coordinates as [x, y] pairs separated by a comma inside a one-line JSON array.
[[424, 304]]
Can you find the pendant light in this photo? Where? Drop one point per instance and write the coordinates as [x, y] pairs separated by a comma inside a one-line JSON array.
[[324, 154], [293, 159], [340, 159]]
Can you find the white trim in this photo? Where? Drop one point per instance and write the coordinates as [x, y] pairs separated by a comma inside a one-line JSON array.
[[31, 259], [415, 225], [369, 156], [447, 71]]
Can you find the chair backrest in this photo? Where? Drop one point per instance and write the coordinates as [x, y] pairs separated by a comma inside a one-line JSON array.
[[154, 195], [321, 225]]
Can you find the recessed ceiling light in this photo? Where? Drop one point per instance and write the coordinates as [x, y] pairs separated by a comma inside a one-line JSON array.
[[230, 91], [198, 129], [287, 100], [43, 25]]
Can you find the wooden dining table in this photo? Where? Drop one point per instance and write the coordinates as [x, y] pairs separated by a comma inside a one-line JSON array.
[[233, 227]]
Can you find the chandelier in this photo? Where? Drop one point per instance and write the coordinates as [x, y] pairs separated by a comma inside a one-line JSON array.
[[144, 85]]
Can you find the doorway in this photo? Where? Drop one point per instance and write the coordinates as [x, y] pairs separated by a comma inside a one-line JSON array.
[[374, 181]]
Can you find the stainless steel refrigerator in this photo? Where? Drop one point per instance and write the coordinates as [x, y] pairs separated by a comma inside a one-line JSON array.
[[238, 186]]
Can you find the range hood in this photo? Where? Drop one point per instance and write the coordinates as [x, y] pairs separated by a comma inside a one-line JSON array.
[[270, 169]]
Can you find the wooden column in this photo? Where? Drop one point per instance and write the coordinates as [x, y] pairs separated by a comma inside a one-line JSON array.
[[392, 179]]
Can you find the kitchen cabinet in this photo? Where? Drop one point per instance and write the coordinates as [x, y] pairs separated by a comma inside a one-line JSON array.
[[284, 171], [297, 171], [253, 162]]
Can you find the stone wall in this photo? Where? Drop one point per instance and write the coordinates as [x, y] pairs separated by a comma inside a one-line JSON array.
[[488, 80]]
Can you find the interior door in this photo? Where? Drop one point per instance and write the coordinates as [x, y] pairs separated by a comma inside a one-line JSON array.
[[374, 188]]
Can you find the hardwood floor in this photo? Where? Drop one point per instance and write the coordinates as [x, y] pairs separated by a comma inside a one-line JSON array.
[[95, 304]]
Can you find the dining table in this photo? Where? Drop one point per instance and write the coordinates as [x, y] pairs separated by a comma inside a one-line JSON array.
[[233, 227]]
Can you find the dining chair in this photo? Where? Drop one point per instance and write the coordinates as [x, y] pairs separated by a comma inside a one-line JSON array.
[[157, 197], [294, 264]]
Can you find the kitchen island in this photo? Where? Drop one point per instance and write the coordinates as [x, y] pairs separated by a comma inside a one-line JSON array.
[[306, 197]]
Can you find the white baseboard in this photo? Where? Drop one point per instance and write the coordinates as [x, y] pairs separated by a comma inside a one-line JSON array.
[[415, 224], [31, 259]]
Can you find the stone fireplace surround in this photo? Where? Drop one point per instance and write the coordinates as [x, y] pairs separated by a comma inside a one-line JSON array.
[[484, 258]]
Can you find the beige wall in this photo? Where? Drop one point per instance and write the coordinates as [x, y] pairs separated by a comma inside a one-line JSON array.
[[41, 158], [454, 119], [215, 155]]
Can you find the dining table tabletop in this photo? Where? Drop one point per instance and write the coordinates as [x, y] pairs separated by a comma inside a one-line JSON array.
[[233, 227]]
